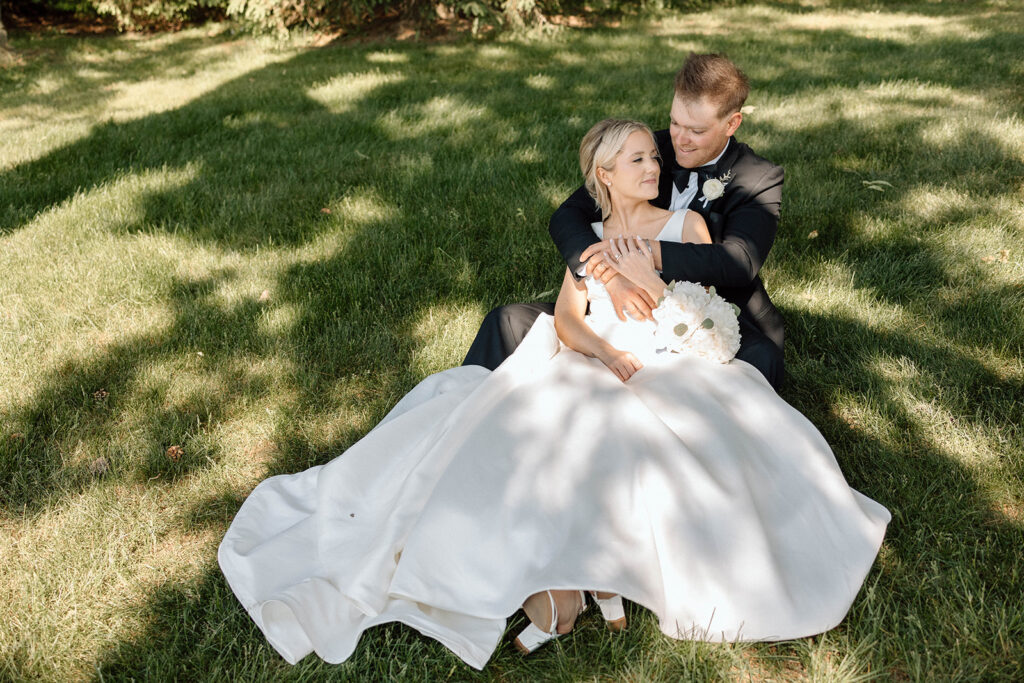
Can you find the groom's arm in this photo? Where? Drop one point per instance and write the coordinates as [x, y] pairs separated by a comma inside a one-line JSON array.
[[747, 237], [570, 227]]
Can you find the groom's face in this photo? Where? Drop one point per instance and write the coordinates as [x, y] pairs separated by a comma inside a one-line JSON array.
[[698, 132]]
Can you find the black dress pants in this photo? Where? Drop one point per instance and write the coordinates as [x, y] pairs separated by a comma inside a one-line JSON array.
[[504, 327]]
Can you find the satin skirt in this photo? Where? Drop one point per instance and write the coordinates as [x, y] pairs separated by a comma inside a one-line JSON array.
[[693, 489]]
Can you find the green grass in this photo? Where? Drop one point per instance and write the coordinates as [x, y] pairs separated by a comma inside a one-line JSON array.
[[152, 188]]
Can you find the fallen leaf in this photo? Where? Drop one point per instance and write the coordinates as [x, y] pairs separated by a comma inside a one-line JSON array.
[[1004, 255], [174, 453], [265, 295], [17, 436], [988, 259], [325, 210], [812, 235]]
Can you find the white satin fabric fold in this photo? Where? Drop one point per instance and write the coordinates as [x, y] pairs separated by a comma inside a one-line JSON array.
[[692, 489]]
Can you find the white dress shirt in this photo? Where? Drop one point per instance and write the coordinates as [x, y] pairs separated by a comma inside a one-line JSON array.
[[681, 200]]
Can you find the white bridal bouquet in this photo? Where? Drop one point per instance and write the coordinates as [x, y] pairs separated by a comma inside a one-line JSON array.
[[693, 320]]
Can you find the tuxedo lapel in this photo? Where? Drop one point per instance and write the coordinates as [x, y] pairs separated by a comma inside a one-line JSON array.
[[712, 211]]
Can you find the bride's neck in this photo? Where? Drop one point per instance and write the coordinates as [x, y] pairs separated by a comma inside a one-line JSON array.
[[628, 216]]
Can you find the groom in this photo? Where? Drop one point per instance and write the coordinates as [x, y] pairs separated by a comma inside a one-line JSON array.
[[741, 210]]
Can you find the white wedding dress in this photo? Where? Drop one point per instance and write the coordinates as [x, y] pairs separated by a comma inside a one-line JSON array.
[[693, 489]]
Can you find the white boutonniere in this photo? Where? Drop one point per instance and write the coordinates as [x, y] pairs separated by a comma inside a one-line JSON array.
[[714, 188]]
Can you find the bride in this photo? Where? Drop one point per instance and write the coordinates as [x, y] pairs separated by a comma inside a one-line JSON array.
[[590, 459]]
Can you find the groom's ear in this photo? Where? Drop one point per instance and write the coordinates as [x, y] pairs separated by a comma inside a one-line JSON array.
[[734, 121]]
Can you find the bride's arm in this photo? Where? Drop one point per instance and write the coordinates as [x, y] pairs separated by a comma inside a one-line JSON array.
[[570, 309], [695, 231]]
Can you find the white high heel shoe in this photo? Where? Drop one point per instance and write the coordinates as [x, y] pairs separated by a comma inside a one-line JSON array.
[[533, 636], [612, 610]]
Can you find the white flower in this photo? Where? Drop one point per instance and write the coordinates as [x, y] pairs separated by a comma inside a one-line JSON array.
[[713, 189], [696, 321]]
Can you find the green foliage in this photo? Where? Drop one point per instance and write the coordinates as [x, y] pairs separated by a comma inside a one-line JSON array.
[[280, 15], [132, 14]]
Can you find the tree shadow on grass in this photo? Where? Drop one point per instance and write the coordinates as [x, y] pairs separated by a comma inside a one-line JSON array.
[[950, 537], [947, 540], [111, 406], [264, 156]]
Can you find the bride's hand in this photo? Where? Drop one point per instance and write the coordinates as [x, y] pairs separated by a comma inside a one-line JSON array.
[[623, 363], [632, 258]]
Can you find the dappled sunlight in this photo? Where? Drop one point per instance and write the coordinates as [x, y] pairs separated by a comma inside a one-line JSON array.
[[970, 443], [342, 93], [359, 210], [961, 441], [896, 26], [834, 292], [252, 250], [902, 27], [955, 130], [528, 155], [540, 82], [442, 333], [96, 268], [937, 203], [387, 57], [497, 57], [178, 69], [445, 113], [278, 319], [880, 105], [862, 414], [60, 569]]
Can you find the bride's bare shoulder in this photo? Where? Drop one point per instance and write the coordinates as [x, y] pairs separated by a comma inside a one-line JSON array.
[[695, 229]]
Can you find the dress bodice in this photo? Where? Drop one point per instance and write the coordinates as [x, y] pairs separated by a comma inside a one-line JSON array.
[[636, 336]]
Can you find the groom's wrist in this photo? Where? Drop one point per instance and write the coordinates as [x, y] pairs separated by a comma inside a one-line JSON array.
[[655, 247]]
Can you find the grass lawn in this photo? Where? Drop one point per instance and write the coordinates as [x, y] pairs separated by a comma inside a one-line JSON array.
[[250, 250]]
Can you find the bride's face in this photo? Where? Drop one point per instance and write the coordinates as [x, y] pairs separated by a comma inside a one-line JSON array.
[[636, 171]]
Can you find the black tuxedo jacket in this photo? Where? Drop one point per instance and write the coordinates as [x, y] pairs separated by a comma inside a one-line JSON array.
[[742, 223]]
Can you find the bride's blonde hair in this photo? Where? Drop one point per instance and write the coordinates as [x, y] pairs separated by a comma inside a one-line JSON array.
[[600, 147]]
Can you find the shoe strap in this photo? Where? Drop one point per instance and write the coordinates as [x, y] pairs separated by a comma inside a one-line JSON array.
[[554, 613]]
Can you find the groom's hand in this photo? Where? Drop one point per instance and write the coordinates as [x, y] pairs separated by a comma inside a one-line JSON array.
[[630, 298], [625, 295], [596, 258]]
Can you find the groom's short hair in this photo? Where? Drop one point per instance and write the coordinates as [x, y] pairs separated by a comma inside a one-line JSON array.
[[715, 77]]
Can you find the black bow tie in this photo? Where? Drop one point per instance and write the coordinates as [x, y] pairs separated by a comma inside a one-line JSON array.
[[681, 178]]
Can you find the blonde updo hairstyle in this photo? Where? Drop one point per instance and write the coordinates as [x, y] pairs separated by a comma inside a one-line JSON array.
[[600, 148]]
